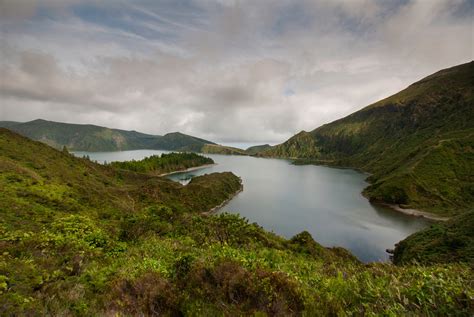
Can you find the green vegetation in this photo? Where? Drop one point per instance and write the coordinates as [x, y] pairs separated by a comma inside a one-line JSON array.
[[417, 144], [448, 242], [79, 238], [166, 163], [257, 148], [229, 150], [220, 149], [177, 141], [7, 124], [82, 137]]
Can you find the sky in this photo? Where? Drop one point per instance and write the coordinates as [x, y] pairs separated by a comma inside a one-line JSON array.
[[252, 71]]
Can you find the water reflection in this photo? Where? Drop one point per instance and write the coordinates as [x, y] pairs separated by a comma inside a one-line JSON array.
[[288, 199]]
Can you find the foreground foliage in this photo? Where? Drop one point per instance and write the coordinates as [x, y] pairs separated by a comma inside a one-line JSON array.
[[78, 238]]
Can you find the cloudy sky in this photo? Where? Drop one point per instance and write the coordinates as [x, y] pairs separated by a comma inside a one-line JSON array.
[[228, 71]]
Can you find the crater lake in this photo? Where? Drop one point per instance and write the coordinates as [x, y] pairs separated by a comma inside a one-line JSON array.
[[287, 199]]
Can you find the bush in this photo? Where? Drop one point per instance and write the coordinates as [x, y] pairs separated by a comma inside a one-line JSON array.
[[149, 295]]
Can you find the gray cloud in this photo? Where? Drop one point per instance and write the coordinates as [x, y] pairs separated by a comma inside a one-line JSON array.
[[223, 70]]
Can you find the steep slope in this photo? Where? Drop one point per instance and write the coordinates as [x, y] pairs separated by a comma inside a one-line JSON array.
[[82, 137], [83, 239], [417, 144]]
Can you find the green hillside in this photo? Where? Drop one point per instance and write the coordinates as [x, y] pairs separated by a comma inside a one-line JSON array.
[[257, 148], [82, 239], [417, 144], [452, 241], [221, 149], [229, 150], [86, 137], [7, 124], [177, 141]]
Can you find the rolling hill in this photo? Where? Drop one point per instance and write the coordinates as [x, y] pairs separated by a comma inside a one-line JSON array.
[[86, 137], [417, 144]]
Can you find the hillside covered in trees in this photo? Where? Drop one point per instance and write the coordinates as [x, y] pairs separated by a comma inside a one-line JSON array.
[[166, 163]]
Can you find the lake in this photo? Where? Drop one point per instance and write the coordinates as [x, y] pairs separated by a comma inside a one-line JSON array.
[[287, 199]]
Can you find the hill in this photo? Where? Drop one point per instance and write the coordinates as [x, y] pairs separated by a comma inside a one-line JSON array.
[[177, 141], [417, 144], [221, 149], [229, 150], [86, 137], [7, 124], [257, 148]]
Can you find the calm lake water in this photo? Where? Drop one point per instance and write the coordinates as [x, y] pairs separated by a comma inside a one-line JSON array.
[[288, 199]]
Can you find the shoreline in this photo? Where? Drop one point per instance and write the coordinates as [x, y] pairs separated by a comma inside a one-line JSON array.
[[414, 212], [406, 211], [190, 169], [216, 208]]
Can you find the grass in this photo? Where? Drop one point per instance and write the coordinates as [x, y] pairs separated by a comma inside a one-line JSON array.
[[79, 238]]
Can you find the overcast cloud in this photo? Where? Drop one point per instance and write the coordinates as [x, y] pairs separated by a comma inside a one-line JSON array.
[[228, 71]]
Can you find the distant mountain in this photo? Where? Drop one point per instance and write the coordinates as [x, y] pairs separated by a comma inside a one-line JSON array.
[[7, 124], [417, 144], [182, 142], [229, 150], [221, 149], [257, 148], [86, 137]]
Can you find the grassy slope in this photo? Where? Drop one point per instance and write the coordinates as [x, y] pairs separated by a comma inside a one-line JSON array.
[[452, 241], [78, 238], [418, 143], [81, 137]]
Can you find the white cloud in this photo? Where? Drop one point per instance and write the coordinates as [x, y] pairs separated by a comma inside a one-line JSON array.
[[223, 70]]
